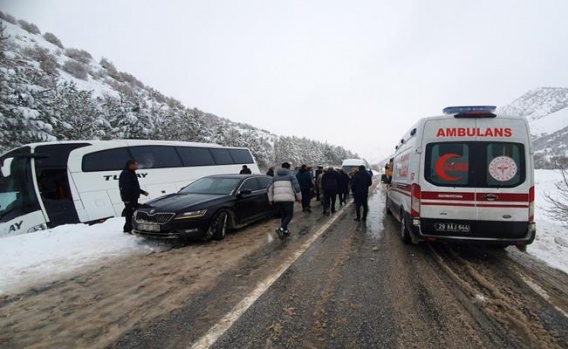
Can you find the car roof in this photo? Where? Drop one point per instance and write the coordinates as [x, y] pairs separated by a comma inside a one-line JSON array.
[[231, 175]]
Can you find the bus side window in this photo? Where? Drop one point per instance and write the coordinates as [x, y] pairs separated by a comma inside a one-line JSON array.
[[196, 156], [241, 156], [221, 156], [156, 156], [105, 160]]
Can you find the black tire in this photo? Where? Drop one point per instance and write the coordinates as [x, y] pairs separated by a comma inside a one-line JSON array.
[[218, 226], [404, 234], [387, 208]]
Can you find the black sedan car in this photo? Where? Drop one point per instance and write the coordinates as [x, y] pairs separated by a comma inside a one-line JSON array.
[[206, 208]]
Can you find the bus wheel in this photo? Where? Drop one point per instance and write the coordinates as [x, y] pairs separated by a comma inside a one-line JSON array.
[[404, 234], [218, 226]]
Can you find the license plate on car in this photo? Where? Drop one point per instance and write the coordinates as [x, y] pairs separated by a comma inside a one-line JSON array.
[[148, 227], [452, 227]]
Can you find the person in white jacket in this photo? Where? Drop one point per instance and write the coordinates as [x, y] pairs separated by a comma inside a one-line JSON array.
[[283, 191]]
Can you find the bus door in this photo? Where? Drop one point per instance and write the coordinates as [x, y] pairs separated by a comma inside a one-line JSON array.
[[53, 182]]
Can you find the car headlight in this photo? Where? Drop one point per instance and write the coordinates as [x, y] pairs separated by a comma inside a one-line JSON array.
[[191, 214]]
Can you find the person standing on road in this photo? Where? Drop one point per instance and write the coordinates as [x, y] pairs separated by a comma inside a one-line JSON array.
[[270, 171], [245, 170], [360, 183], [329, 184], [343, 187], [306, 182], [284, 190], [129, 193]]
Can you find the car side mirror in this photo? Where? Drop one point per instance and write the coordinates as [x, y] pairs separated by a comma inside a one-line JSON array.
[[245, 191]]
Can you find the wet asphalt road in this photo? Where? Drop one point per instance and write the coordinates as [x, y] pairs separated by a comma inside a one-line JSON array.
[[359, 286], [353, 289], [336, 295]]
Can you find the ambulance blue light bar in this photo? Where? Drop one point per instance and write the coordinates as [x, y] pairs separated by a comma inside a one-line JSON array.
[[474, 111]]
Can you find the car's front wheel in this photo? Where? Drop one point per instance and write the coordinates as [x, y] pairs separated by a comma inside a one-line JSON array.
[[218, 226]]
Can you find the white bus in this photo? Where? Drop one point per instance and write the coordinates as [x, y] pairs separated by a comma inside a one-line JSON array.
[[48, 184]]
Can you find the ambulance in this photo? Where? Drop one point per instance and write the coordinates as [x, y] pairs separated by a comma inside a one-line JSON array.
[[465, 176]]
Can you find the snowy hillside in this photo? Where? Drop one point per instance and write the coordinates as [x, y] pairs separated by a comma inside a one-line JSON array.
[[550, 123], [52, 92], [546, 109], [538, 103]]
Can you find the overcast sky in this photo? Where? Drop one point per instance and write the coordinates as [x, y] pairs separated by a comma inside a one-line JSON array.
[[352, 73]]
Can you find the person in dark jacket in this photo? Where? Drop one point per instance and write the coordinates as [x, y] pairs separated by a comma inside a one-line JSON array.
[[360, 183], [245, 170], [343, 187], [329, 185], [306, 181], [129, 192], [270, 171]]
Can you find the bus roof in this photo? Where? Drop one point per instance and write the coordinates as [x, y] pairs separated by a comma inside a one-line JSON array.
[[125, 142]]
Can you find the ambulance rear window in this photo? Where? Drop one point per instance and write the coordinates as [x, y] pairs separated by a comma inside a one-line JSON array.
[[475, 164], [448, 164]]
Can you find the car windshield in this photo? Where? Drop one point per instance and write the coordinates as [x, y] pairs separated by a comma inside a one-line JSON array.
[[212, 185]]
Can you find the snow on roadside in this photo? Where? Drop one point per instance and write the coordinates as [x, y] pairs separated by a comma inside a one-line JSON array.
[[43, 256], [551, 243]]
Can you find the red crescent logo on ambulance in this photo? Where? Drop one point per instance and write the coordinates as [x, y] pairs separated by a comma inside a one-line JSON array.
[[440, 164]]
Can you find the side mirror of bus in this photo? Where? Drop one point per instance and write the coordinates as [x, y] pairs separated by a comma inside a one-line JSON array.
[[7, 167]]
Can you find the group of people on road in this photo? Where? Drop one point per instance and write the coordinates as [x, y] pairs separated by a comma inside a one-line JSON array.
[[286, 188], [327, 185]]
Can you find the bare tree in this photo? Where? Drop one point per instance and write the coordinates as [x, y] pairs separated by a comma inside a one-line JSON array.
[[559, 201]]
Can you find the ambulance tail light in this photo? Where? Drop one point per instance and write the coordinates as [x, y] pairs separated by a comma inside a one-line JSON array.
[[531, 204], [415, 201]]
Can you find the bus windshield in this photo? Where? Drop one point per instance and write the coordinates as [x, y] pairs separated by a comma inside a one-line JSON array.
[[17, 195]]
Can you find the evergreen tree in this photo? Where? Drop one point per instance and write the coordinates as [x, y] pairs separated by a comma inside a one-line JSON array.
[[77, 114], [21, 121]]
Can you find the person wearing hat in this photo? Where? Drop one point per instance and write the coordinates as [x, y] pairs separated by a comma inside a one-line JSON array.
[[284, 190], [129, 193]]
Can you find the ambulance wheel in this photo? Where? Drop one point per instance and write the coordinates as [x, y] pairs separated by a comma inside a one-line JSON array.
[[404, 234], [387, 208]]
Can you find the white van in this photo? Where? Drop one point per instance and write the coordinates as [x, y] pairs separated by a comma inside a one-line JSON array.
[[349, 164], [465, 176]]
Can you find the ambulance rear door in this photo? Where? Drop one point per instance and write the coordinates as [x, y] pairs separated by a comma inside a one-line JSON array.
[[448, 183], [505, 177]]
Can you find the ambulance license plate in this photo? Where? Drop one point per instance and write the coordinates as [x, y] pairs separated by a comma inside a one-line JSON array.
[[452, 227], [148, 227]]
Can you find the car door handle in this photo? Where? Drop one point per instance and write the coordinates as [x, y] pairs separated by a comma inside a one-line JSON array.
[[491, 197]]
